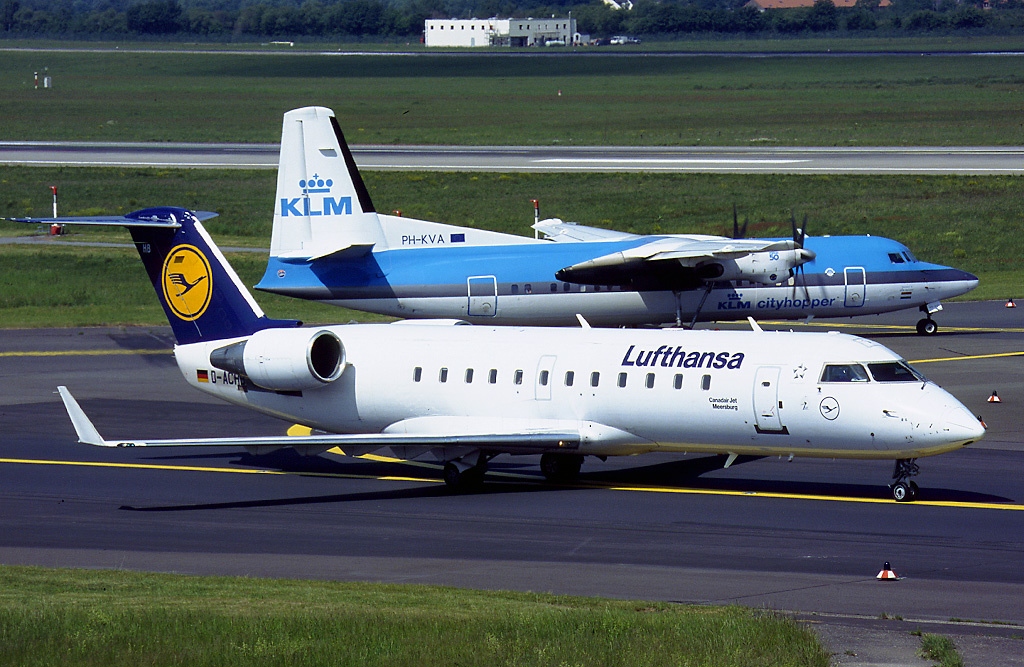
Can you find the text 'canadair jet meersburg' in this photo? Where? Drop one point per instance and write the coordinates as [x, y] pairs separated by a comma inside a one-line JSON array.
[[467, 393], [329, 244]]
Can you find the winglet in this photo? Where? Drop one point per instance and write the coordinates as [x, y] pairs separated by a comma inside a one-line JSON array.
[[87, 433], [754, 325], [583, 321]]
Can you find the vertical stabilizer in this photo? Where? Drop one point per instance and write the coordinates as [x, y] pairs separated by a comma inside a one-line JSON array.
[[322, 205], [202, 296]]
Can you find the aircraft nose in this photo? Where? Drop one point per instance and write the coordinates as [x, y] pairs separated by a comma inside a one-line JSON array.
[[962, 426], [969, 278]]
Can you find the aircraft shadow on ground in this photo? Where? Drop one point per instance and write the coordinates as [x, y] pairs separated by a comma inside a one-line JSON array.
[[684, 474]]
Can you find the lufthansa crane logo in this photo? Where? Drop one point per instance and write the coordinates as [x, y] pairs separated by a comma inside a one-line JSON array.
[[187, 282]]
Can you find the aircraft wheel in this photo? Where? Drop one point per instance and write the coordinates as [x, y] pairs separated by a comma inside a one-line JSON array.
[[561, 467], [927, 327], [462, 479], [913, 490], [902, 492]]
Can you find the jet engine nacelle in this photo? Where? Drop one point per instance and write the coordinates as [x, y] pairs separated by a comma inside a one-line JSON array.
[[768, 267], [284, 359]]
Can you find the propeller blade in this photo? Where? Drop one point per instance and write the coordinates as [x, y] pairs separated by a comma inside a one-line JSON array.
[[737, 231]]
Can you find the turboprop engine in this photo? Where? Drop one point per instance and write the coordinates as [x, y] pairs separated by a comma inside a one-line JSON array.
[[768, 267], [284, 359]]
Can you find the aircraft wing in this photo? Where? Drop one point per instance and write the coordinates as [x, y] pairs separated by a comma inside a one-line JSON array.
[[684, 262], [417, 434], [558, 230]]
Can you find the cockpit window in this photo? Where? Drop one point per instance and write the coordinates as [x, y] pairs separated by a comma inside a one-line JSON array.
[[895, 258], [909, 255], [844, 373], [894, 371]]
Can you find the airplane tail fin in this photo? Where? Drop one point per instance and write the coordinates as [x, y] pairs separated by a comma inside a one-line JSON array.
[[322, 205], [202, 296]]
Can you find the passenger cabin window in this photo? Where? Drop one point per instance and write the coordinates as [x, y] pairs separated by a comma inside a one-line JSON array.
[[677, 381], [569, 377], [492, 376], [528, 288], [443, 375], [515, 289], [622, 379], [554, 287], [844, 373], [543, 378], [518, 377], [650, 381], [566, 287], [469, 375], [705, 382], [417, 374], [894, 371], [895, 258], [595, 379]]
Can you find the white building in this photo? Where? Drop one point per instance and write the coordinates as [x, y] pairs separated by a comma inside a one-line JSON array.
[[500, 32]]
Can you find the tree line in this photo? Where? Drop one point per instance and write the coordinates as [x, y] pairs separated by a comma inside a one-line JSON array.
[[368, 19]]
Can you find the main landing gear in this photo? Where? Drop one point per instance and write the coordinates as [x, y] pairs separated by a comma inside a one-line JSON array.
[[902, 489], [463, 475], [561, 467]]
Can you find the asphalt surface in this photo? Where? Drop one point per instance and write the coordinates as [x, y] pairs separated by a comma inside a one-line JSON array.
[[806, 536], [789, 160]]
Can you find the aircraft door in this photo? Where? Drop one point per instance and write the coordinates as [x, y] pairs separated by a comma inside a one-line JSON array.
[[856, 283], [483, 296], [545, 378], [766, 400]]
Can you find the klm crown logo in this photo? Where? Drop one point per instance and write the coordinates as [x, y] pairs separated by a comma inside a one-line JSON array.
[[314, 206]]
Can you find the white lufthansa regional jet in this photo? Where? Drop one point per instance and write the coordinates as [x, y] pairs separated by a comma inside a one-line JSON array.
[[466, 393]]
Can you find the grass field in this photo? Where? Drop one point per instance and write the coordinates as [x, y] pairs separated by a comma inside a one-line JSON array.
[[479, 99], [82, 618]]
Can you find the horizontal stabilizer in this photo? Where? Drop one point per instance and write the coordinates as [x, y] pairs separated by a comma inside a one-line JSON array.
[[164, 218], [347, 252]]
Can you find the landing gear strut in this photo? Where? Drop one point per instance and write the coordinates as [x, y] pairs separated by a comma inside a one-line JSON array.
[[902, 489]]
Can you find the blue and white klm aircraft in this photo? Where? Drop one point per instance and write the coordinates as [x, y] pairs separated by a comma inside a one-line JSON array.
[[329, 244], [468, 393]]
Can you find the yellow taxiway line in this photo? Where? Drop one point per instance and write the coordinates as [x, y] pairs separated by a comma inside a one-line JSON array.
[[969, 357], [579, 485]]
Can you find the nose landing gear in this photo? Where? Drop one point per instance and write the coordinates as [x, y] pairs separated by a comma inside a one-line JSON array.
[[904, 490]]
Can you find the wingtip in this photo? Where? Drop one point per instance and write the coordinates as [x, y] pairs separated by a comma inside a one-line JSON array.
[[87, 433]]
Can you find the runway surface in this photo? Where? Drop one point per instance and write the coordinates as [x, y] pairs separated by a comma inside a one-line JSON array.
[[807, 536], [781, 160]]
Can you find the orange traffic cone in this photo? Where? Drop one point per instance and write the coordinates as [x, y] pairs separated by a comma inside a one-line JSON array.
[[994, 398], [1010, 304], [887, 574]]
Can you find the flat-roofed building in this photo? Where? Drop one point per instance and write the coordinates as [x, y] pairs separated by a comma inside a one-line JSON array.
[[500, 32]]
